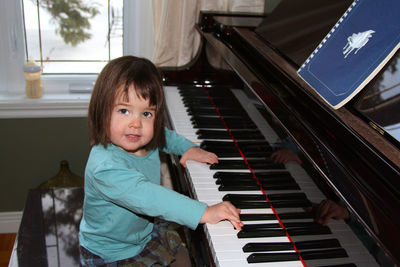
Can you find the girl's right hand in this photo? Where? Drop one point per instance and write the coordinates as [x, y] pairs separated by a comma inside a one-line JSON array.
[[222, 211]]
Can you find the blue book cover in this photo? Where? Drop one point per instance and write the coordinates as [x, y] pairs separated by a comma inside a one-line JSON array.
[[353, 52]]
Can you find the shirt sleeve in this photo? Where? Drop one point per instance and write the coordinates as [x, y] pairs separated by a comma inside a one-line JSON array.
[[132, 190], [176, 143]]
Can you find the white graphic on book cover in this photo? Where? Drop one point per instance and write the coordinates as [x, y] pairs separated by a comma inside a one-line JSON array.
[[356, 41]]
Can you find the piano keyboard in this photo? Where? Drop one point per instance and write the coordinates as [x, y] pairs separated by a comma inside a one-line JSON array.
[[262, 241]]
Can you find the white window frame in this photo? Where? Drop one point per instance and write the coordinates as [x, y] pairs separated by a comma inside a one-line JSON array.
[[58, 100]]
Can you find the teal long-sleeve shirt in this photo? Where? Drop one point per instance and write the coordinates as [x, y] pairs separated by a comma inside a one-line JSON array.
[[121, 191]]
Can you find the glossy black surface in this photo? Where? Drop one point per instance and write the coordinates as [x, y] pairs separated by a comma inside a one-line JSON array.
[[48, 234], [379, 102], [295, 28]]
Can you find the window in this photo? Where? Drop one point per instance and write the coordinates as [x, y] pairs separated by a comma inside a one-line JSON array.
[[72, 36], [64, 69]]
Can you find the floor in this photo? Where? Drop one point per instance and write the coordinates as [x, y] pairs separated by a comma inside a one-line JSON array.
[[6, 245]]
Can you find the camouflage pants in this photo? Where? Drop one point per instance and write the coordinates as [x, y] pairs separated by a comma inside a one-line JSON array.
[[159, 251]]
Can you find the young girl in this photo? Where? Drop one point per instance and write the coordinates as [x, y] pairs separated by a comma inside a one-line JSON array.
[[123, 194]]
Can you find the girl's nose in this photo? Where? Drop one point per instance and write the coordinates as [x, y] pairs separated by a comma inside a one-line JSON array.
[[135, 123]]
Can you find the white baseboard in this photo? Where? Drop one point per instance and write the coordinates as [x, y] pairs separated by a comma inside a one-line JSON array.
[[10, 221]]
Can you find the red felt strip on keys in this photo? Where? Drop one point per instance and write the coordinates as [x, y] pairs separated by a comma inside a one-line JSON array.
[[252, 172]]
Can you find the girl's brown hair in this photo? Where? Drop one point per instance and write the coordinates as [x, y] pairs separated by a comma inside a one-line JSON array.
[[118, 76]]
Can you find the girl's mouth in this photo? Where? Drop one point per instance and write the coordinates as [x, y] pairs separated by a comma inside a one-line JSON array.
[[133, 137]]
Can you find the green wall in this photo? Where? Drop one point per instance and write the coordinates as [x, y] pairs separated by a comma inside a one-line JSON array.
[[31, 152]]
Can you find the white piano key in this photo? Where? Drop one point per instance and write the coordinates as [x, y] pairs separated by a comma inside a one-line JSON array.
[[233, 256]]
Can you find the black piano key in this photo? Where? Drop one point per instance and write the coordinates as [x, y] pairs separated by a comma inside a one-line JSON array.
[[263, 175], [261, 233], [250, 187], [256, 217], [267, 183], [212, 122], [261, 226], [210, 110], [260, 179], [241, 144], [237, 154], [240, 164], [218, 101], [223, 134], [272, 257], [259, 148], [300, 245], [253, 197], [292, 256], [249, 181], [282, 216], [251, 205], [243, 197], [187, 96], [254, 201], [220, 125], [288, 225], [283, 196], [290, 203], [234, 152], [321, 230], [239, 118], [254, 187], [274, 203], [264, 153], [262, 246], [225, 115]]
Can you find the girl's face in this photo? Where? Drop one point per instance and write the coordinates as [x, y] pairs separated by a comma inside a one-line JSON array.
[[132, 123]]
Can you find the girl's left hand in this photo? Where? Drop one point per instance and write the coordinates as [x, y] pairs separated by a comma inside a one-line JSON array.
[[200, 155]]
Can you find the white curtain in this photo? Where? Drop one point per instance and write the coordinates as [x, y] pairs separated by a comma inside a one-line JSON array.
[[175, 39]]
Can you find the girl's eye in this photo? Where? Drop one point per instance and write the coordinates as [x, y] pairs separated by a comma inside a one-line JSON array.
[[147, 114], [123, 111]]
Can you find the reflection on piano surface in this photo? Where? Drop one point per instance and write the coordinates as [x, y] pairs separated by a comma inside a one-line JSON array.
[[246, 108], [48, 234]]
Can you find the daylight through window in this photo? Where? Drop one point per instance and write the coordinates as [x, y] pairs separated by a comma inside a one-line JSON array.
[[73, 36]]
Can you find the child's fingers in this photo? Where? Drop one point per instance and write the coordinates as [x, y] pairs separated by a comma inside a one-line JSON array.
[[237, 225], [183, 161], [212, 158], [233, 215]]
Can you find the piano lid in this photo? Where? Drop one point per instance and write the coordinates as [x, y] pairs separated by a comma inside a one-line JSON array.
[[295, 28]]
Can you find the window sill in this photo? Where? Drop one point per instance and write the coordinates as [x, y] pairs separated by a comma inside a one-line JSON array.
[[48, 106]]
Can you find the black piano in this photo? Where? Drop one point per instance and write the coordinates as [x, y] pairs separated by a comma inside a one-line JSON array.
[[242, 99]]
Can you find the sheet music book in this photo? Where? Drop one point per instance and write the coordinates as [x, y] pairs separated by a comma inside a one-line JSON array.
[[353, 52]]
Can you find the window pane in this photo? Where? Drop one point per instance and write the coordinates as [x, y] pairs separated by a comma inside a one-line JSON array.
[[75, 36]]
